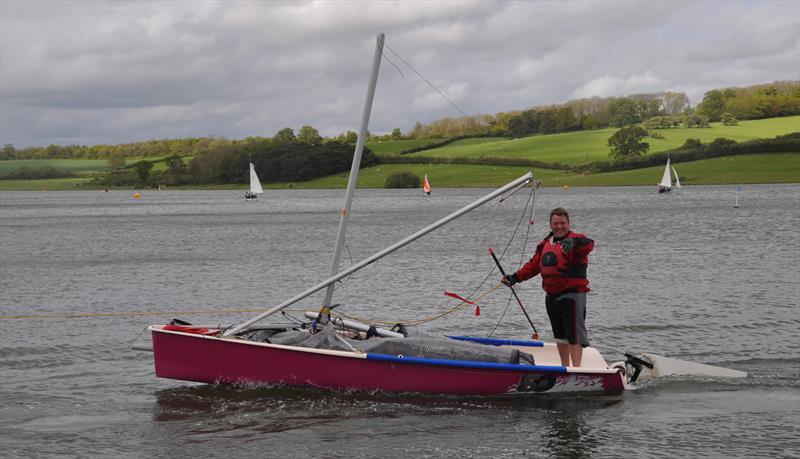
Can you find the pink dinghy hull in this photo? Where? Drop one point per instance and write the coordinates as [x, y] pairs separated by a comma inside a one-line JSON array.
[[208, 359]]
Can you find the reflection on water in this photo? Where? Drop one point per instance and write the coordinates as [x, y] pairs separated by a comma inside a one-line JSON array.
[[556, 423]]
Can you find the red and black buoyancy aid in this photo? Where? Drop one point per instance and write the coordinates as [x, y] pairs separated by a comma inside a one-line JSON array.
[[561, 271]]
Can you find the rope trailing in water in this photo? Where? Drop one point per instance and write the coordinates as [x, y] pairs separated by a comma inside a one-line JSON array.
[[122, 314]]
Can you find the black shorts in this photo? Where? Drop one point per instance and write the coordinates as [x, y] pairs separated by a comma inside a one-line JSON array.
[[567, 314]]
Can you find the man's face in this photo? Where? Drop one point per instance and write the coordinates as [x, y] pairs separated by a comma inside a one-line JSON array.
[[559, 225]]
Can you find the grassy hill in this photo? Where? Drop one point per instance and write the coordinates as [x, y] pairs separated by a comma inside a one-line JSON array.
[[83, 167], [66, 165], [573, 148], [396, 146], [756, 168], [584, 146]]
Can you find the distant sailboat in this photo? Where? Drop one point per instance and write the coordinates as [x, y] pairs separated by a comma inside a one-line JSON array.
[[677, 180], [666, 180], [255, 185], [426, 187]]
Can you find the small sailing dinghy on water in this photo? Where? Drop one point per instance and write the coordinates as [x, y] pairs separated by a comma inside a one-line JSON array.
[[322, 352], [677, 180], [666, 180], [426, 187], [255, 185]]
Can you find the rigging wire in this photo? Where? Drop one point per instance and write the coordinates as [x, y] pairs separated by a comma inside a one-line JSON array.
[[393, 64], [425, 80], [342, 282], [471, 296], [438, 91], [532, 201]]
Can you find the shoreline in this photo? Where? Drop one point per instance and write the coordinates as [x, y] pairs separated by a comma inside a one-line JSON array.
[[757, 168], [266, 189]]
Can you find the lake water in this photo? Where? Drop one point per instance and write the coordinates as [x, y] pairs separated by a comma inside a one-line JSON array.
[[685, 275]]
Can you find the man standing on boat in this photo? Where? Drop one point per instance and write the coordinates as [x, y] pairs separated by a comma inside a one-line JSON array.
[[561, 258]]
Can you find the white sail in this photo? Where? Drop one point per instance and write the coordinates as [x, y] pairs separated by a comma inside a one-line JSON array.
[[255, 184], [677, 180], [666, 181]]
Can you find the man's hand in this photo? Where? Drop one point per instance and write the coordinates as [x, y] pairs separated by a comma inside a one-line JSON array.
[[509, 280], [567, 245]]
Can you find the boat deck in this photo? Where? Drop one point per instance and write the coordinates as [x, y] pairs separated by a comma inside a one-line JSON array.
[[547, 354]]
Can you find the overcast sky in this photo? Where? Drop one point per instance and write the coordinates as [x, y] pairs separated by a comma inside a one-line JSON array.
[[111, 72]]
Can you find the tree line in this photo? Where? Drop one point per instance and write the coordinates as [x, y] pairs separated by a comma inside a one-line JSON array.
[[781, 98], [274, 161], [663, 109]]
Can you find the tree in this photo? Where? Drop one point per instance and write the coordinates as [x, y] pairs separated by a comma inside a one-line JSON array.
[[308, 134], [396, 134], [8, 151], [350, 138], [623, 112], [691, 144], [404, 179], [522, 124], [728, 119], [590, 122], [417, 132], [116, 160], [696, 120], [285, 135], [565, 120], [713, 105], [647, 108], [175, 167], [143, 169], [675, 102], [627, 142], [547, 121]]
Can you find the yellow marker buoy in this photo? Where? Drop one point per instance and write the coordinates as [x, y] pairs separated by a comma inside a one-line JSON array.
[[566, 187], [137, 195]]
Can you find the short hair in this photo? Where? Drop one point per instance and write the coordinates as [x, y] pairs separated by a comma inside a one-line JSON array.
[[559, 211]]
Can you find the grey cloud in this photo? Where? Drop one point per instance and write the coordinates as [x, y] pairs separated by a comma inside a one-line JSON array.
[[109, 72]]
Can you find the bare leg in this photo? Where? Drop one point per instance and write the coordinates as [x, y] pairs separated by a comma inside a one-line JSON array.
[[575, 352], [563, 353]]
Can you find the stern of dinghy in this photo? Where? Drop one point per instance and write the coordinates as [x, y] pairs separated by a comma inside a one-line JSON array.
[[645, 366]]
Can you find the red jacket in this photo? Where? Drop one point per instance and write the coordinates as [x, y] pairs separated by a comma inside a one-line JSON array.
[[560, 271]]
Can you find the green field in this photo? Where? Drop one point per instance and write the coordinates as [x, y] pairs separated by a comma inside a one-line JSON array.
[[756, 168], [396, 146], [41, 184], [585, 146], [76, 166]]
